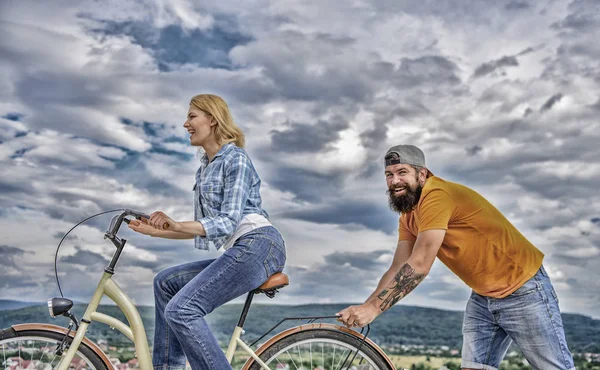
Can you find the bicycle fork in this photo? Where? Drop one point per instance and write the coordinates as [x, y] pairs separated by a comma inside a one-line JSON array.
[[135, 332]]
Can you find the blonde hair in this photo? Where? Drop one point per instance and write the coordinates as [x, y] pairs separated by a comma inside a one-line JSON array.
[[226, 131]]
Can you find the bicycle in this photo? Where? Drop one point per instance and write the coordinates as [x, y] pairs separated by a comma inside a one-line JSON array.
[[312, 344]]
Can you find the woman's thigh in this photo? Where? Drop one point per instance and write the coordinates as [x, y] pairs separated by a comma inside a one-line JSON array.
[[240, 269], [170, 280]]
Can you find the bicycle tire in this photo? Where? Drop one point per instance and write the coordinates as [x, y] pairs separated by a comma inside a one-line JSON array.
[[10, 335], [320, 335]]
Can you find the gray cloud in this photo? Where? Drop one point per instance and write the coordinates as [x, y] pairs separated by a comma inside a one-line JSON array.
[[582, 16], [596, 105], [306, 185], [8, 255], [372, 216], [427, 69], [22, 281], [325, 278], [361, 260], [13, 116], [85, 258], [550, 102], [505, 61], [517, 5], [302, 137], [473, 150], [489, 67]]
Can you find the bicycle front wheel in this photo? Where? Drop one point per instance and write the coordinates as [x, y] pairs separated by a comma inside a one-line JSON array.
[[35, 349], [326, 349]]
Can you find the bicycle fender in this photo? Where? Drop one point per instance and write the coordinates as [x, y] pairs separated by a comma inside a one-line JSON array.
[[326, 326], [59, 329]]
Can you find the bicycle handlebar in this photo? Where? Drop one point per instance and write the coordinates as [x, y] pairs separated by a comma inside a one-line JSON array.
[[117, 220]]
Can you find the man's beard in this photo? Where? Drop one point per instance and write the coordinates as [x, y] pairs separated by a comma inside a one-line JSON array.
[[407, 202]]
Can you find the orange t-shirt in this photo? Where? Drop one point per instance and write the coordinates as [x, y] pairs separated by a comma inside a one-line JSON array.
[[481, 246]]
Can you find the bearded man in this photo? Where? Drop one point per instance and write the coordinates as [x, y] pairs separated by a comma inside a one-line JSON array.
[[512, 299]]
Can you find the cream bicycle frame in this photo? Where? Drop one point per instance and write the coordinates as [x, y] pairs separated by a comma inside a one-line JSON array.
[[135, 331]]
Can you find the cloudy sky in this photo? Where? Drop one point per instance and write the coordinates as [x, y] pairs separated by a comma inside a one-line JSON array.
[[503, 96]]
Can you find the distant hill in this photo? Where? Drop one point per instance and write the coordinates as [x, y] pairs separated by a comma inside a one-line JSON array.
[[6, 304], [399, 325]]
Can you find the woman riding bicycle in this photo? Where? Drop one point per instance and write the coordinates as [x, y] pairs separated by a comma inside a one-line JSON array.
[[228, 214]]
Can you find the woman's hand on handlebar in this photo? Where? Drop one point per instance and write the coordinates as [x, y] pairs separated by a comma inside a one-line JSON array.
[[161, 221], [141, 226]]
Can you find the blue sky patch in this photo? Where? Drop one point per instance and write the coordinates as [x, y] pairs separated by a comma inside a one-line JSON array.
[[180, 155], [173, 46], [15, 117], [20, 153]]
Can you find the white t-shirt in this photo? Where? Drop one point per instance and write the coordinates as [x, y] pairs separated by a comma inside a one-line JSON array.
[[247, 224]]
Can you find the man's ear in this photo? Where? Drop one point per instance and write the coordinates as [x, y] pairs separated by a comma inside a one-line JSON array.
[[423, 175]]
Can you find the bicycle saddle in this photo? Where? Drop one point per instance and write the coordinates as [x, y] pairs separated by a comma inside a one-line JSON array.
[[276, 281]]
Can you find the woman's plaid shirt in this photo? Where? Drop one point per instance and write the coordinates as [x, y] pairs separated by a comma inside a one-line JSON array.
[[226, 189]]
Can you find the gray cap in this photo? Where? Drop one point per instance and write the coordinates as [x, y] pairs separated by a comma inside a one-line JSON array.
[[405, 154]]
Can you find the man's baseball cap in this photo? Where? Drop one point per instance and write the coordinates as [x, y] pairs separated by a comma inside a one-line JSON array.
[[405, 154]]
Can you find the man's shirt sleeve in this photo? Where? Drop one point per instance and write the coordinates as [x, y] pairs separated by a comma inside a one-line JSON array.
[[403, 232], [435, 211]]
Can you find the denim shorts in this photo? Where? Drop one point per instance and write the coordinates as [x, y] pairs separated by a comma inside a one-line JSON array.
[[530, 317]]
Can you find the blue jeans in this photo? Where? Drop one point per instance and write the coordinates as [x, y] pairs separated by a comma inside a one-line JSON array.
[[530, 317], [184, 294]]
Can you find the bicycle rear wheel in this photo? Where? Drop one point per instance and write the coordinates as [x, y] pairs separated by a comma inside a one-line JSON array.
[[35, 349], [326, 349]]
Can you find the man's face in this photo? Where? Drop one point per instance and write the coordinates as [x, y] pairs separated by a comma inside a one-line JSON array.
[[404, 187]]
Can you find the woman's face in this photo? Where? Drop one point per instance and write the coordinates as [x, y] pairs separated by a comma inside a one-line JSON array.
[[199, 125]]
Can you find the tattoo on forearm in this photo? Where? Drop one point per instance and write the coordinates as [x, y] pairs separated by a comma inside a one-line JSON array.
[[404, 282]]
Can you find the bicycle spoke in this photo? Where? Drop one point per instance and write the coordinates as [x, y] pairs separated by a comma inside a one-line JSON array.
[[335, 354], [300, 355], [53, 358], [290, 356], [310, 350], [30, 351], [333, 359], [323, 354], [282, 365], [37, 351], [46, 349], [81, 363], [340, 362]]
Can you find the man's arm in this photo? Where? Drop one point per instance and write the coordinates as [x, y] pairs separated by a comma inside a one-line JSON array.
[[413, 271], [405, 280], [403, 251]]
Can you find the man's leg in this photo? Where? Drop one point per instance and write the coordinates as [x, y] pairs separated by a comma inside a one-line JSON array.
[[531, 317], [484, 342]]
